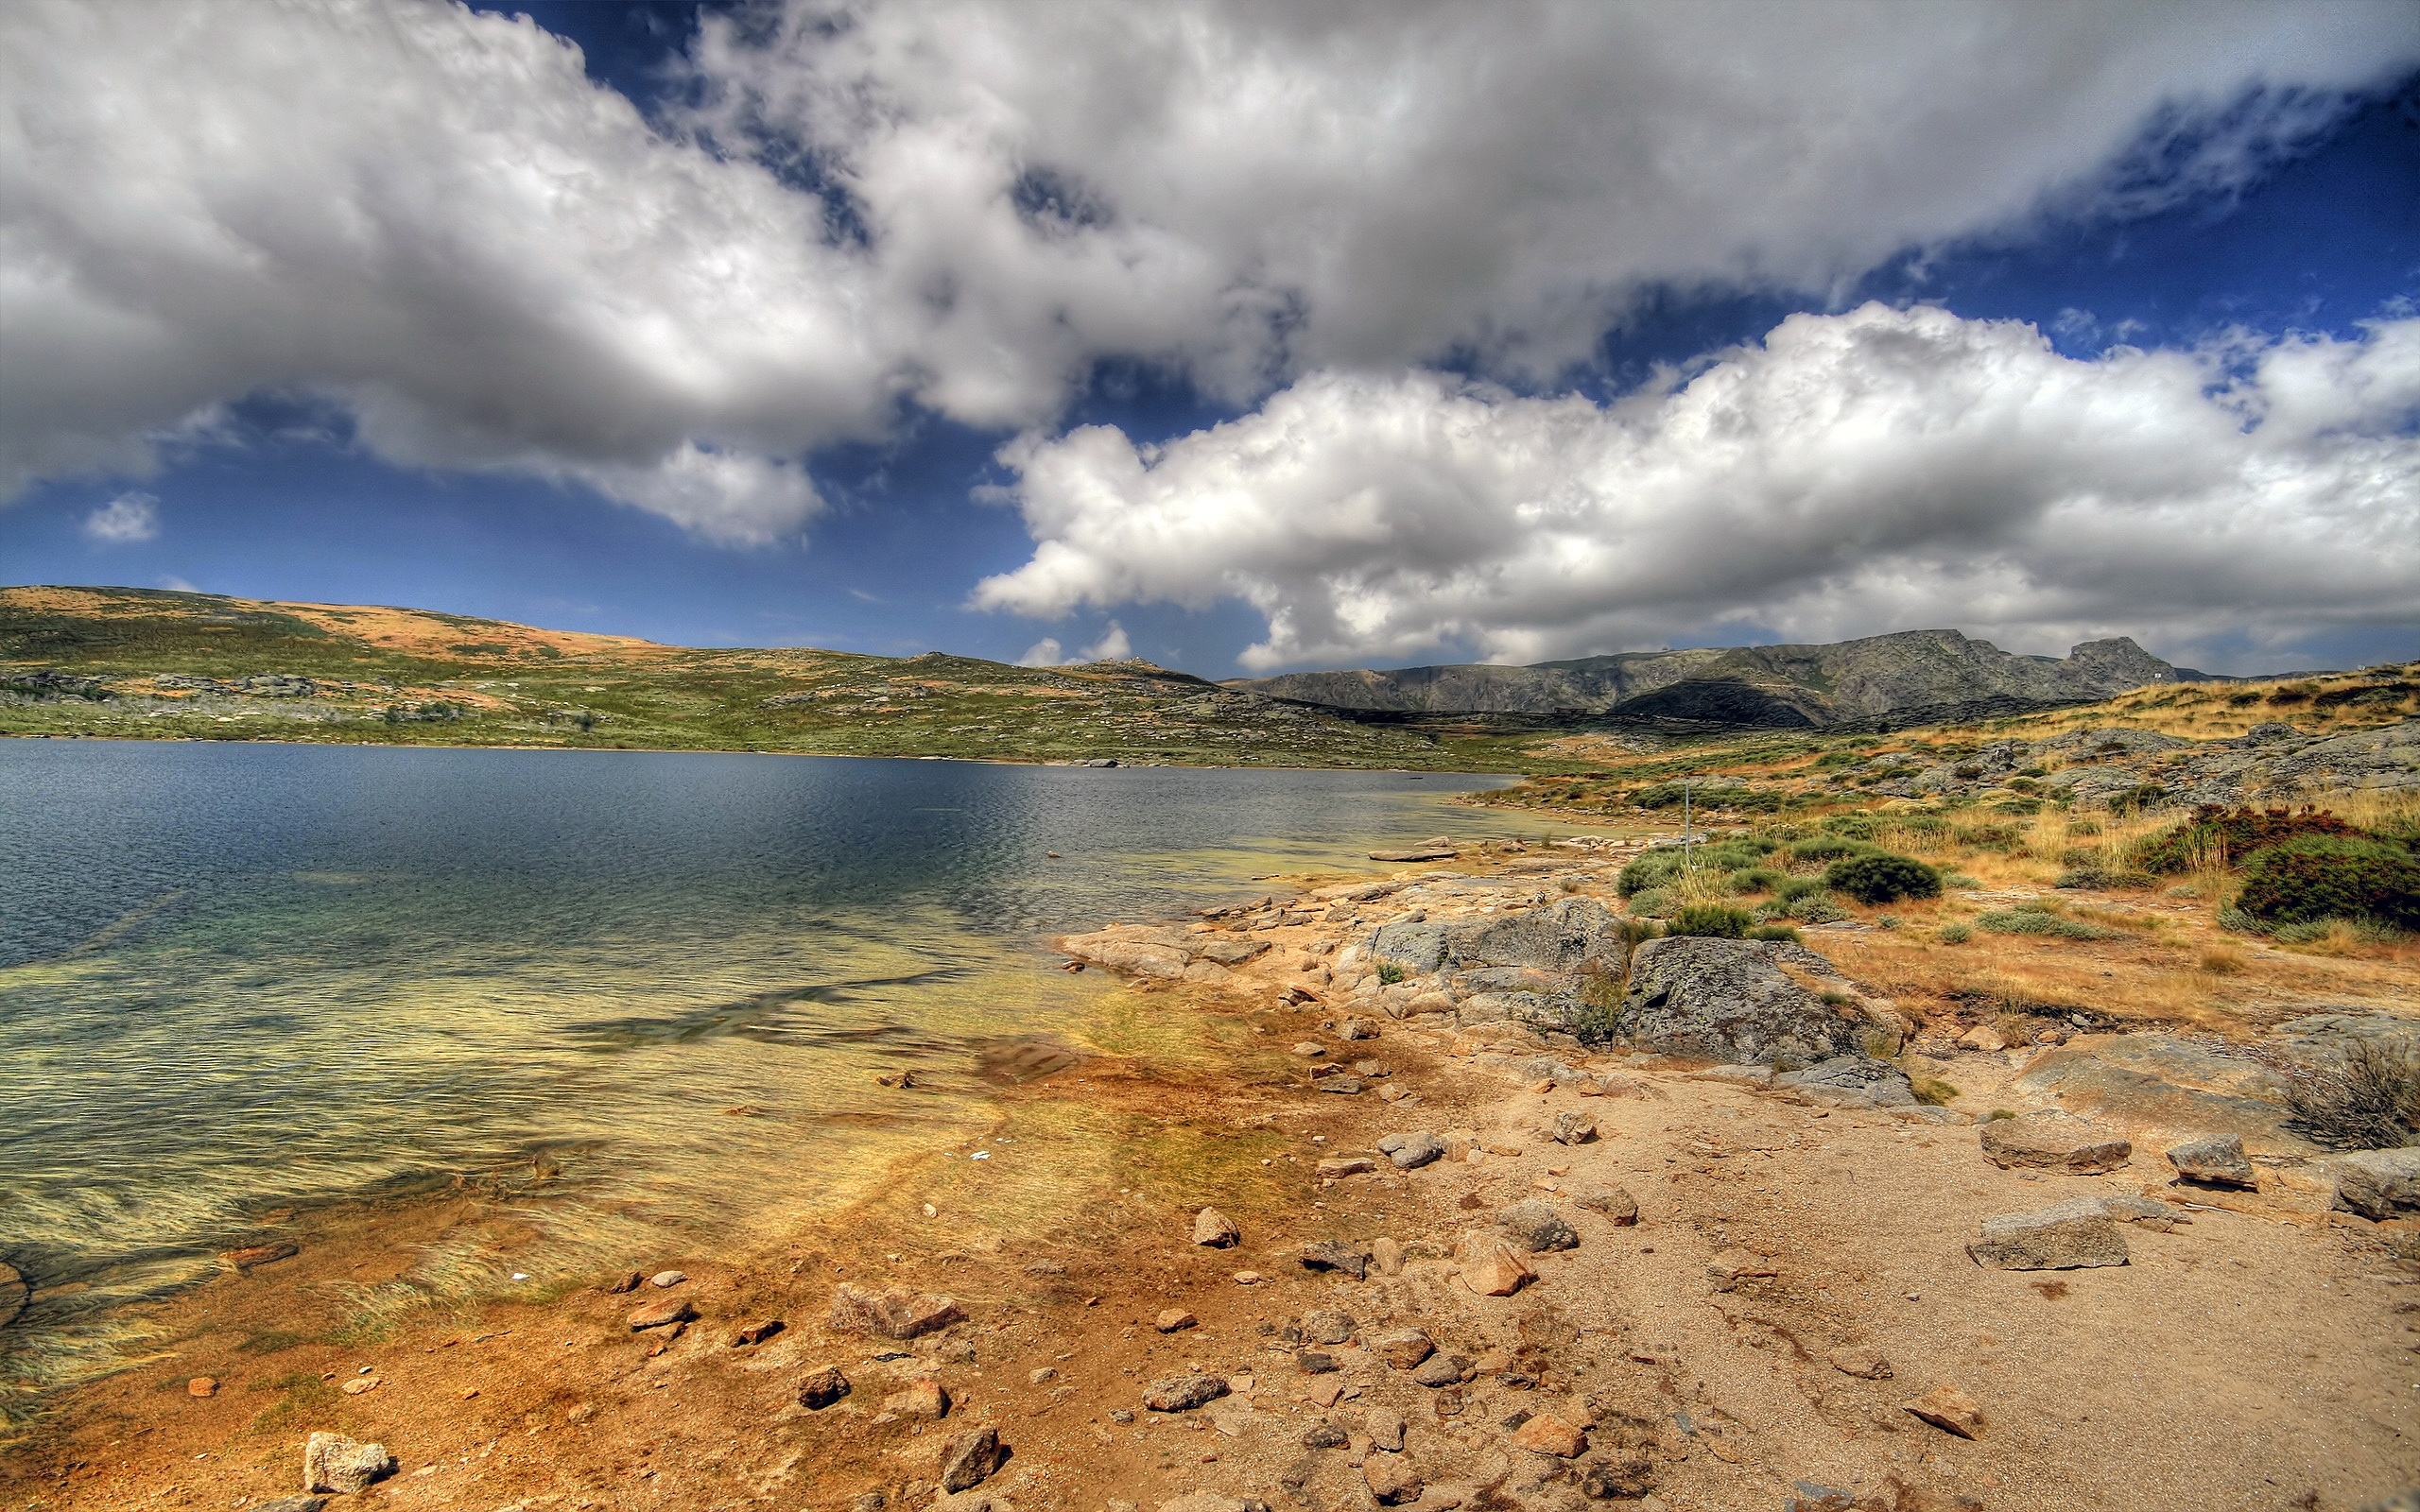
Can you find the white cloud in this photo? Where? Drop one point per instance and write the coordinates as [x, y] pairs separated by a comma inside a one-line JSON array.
[[431, 217], [177, 584], [1852, 474], [1047, 652], [124, 521]]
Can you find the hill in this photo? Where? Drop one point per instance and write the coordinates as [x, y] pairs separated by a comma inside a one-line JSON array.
[[1911, 673]]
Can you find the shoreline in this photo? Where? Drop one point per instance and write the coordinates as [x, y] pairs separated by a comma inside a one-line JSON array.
[[1695, 1351]]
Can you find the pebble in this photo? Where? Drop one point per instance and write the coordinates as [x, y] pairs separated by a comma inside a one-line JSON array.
[[819, 1389], [1326, 1326], [1545, 1433], [1617, 1205], [201, 1386], [1538, 1225], [1404, 1349], [1490, 1268], [667, 1278]]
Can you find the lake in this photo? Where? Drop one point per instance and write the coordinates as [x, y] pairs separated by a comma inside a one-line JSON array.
[[241, 978]]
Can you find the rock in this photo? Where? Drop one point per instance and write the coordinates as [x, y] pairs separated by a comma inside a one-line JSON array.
[[1342, 1085], [1545, 1433], [1419, 854], [1538, 1225], [1428, 1002], [1617, 1085], [2215, 1160], [1573, 1127], [1442, 1370], [1314, 1362], [1982, 1037], [757, 1332], [894, 1314], [1214, 1228], [1173, 1319], [251, 1255], [1386, 1429], [1182, 1393], [1324, 1435], [1309, 1047], [869, 1501], [629, 1281], [2064, 1236], [1731, 1266], [1234, 951], [292, 1503], [1387, 1255], [2146, 1210], [970, 1458], [334, 1463], [1248, 1278], [1746, 1075], [1356, 1029], [1866, 1364], [668, 1278], [1337, 1167], [201, 1386], [1886, 1084], [1326, 1326], [1729, 1000], [1411, 1151], [359, 1385], [660, 1314], [1041, 1375], [1949, 1408], [1391, 1479], [1489, 1266], [1403, 1348], [2053, 1142], [1617, 1205], [2378, 1184], [2163, 1081], [1625, 1478], [922, 1398], [1330, 1254]]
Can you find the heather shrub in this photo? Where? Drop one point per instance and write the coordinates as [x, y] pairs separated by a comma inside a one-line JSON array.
[[2215, 828], [1883, 877], [1714, 919], [2326, 876]]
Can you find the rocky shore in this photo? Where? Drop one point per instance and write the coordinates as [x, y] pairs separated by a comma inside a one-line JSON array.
[[1483, 1201]]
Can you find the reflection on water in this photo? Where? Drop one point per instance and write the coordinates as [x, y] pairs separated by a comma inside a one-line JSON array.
[[235, 975]]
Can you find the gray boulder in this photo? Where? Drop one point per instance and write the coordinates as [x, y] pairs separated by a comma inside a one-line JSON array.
[[1729, 1000], [1538, 1226], [1885, 1084], [2053, 1140], [1411, 1151], [1418, 947], [2378, 1184], [2217, 1160], [2069, 1235]]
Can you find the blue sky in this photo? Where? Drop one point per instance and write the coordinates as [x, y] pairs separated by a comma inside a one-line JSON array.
[[1460, 422]]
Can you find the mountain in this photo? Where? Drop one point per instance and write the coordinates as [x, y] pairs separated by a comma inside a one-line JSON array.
[[1802, 686]]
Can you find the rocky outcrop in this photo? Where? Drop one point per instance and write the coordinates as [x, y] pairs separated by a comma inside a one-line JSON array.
[[2167, 1082], [1730, 1000], [2378, 1184], [2053, 1142]]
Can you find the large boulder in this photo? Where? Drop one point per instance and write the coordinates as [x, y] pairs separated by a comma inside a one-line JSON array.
[[2159, 1080], [332, 1462], [1730, 1000], [2064, 1236], [2378, 1184]]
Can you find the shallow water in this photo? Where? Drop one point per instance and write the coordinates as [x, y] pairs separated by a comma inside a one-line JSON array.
[[239, 976]]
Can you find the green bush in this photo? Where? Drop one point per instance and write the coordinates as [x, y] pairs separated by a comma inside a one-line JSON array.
[[1774, 932], [1992, 838], [1883, 877], [1816, 908], [1791, 889], [2039, 921], [2326, 876], [2239, 832], [1714, 919], [1654, 902], [1658, 868], [1955, 934], [1828, 848], [1755, 878], [1850, 826], [1390, 974], [1960, 879]]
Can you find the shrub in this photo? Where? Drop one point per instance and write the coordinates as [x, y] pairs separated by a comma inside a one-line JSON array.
[[1955, 934], [2237, 832], [1755, 878], [2367, 1098], [1793, 888], [1816, 908], [1932, 1091], [1850, 826], [1655, 903], [2139, 798], [2322, 876], [1714, 919], [1827, 848], [1774, 932], [1960, 879], [2042, 921], [2096, 879], [1883, 877], [1648, 869], [1390, 974], [1992, 838]]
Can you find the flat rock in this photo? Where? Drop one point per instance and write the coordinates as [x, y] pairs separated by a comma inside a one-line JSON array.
[[1442, 1370], [2163, 1081], [1946, 1407], [1183, 1393], [1404, 1349], [1729, 1000], [923, 1398], [2217, 1160], [292, 1503], [819, 1389], [1545, 1433], [1342, 1085], [1331, 1254], [2378, 1184], [1387, 1256], [1309, 1047], [1730, 1268], [332, 1462], [2053, 1140], [664, 1314], [2074, 1235], [1216, 1229], [1325, 1325], [1490, 1267], [894, 1314], [1617, 1204], [1538, 1225], [251, 1255], [1356, 1029], [668, 1278], [1173, 1319], [1413, 1150], [757, 1332], [1324, 1434], [970, 1458], [1884, 1083], [1337, 1167]]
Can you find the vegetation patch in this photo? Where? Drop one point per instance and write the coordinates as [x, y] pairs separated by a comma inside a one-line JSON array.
[[2367, 1098], [2325, 876], [2216, 832], [1882, 879], [2036, 919]]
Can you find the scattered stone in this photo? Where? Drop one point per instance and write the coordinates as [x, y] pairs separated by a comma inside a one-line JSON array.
[[757, 1332], [923, 1398], [1545, 1433], [1387, 1255], [1866, 1364], [1216, 1229], [1617, 1205], [1391, 1479], [1624, 1478], [1120, 1415], [1330, 1254], [1323, 1325], [1572, 1127], [332, 1462], [1411, 1151], [292, 1503], [660, 1314], [970, 1458], [1539, 1227], [1617, 1085], [1335, 1167], [819, 1389], [1441, 1370], [1982, 1037], [908, 1078], [2064, 1236], [1490, 1268], [201, 1386], [1386, 1429], [1404, 1349], [1324, 1435], [1041, 1375], [359, 1385], [2053, 1142], [1356, 1029], [1182, 1393], [2217, 1160], [627, 1282], [1946, 1407], [1371, 1070], [1173, 1319], [1310, 1047], [1314, 1362], [894, 1314], [668, 1278], [2378, 1184], [251, 1255], [1248, 1278], [1342, 1085]]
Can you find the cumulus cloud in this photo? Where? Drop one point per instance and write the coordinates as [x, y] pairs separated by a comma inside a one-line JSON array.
[[1851, 474], [1047, 652], [430, 216], [124, 521]]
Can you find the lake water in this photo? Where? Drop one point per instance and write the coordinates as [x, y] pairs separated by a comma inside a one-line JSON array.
[[235, 977]]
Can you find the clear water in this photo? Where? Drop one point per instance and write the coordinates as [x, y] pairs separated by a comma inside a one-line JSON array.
[[239, 976]]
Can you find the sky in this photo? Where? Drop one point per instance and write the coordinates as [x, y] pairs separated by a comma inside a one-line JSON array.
[[1240, 336]]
